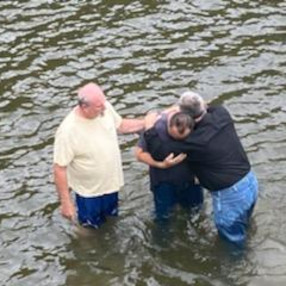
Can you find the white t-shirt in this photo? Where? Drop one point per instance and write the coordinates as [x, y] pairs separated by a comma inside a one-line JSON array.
[[89, 149]]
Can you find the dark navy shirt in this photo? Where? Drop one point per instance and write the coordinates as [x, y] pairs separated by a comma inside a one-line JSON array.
[[215, 153], [178, 175]]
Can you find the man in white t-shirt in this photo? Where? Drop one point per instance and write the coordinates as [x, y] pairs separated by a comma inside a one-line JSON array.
[[87, 158]]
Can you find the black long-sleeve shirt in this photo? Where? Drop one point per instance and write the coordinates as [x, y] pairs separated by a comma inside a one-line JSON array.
[[214, 150]]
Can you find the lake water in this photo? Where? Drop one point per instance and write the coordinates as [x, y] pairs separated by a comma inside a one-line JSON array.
[[144, 54]]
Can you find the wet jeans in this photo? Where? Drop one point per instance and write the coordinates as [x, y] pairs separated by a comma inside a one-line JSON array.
[[233, 207], [167, 195]]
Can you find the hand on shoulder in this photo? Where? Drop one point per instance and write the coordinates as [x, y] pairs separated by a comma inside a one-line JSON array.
[[150, 119]]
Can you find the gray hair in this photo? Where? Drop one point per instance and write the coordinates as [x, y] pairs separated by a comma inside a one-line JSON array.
[[192, 103]]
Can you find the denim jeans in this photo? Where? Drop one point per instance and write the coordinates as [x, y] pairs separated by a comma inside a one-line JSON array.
[[167, 195], [233, 207]]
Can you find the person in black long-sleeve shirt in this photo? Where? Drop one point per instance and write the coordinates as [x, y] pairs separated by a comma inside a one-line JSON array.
[[218, 159]]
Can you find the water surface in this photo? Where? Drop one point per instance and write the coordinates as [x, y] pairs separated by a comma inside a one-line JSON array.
[[144, 54]]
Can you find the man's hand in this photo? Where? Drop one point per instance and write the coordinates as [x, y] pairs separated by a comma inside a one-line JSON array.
[[150, 119], [172, 160], [68, 210]]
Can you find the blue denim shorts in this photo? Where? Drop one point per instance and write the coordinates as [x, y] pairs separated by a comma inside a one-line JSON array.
[[93, 211], [233, 207]]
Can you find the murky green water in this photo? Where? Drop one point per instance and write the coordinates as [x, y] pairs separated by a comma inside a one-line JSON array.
[[144, 54]]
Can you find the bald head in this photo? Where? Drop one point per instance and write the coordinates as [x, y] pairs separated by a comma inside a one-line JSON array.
[[192, 103], [91, 100], [91, 93]]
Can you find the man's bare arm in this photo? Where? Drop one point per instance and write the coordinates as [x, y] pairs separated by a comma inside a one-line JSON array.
[[136, 125], [131, 125], [60, 178]]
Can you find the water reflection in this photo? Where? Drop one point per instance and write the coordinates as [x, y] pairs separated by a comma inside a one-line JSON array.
[[144, 55]]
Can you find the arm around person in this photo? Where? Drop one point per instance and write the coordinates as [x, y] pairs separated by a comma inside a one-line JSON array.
[[142, 153], [169, 161]]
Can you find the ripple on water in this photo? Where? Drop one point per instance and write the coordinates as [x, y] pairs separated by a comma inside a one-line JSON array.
[[144, 55]]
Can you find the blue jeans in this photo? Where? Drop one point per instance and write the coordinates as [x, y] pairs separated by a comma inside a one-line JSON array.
[[93, 211], [167, 195], [233, 207]]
